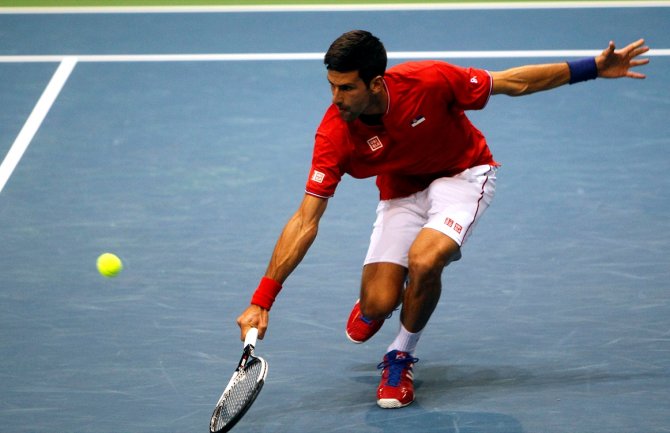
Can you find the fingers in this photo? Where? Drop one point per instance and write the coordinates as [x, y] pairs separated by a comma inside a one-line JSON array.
[[262, 323], [247, 320], [636, 63], [609, 51], [615, 63], [636, 44], [636, 75], [635, 49], [253, 317], [639, 51], [244, 327], [639, 62], [243, 331], [611, 47]]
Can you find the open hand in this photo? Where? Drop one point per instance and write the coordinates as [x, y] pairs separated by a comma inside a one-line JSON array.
[[613, 63]]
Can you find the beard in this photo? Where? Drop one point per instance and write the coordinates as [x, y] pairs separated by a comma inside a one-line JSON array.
[[347, 115]]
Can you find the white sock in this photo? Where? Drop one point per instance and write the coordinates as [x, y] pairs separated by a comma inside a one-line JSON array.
[[405, 341]]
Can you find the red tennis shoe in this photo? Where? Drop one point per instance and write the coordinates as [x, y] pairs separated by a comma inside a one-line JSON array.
[[359, 329], [396, 388]]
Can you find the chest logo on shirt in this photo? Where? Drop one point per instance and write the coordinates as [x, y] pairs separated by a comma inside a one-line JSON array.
[[375, 143], [418, 120]]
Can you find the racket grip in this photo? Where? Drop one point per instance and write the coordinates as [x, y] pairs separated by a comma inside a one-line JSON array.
[[250, 338]]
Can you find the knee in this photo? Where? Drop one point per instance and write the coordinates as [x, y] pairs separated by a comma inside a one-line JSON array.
[[378, 304], [425, 267], [428, 264]]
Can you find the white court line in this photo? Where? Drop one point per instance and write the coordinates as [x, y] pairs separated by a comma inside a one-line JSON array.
[[67, 64], [242, 57], [337, 7], [35, 119]]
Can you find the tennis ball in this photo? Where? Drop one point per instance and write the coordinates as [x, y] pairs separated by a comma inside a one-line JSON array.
[[109, 265]]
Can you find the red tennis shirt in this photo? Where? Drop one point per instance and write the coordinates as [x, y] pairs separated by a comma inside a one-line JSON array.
[[425, 134]]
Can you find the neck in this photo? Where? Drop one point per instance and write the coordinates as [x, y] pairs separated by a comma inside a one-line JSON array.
[[378, 103]]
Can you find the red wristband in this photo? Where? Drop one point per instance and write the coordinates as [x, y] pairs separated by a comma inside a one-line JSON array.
[[265, 294]]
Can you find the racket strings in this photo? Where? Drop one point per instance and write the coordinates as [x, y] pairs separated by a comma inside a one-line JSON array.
[[240, 393]]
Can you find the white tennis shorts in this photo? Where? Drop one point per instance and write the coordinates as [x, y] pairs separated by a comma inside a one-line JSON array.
[[451, 205]]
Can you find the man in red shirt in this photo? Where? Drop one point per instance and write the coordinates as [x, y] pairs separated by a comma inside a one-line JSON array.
[[422, 135], [435, 174]]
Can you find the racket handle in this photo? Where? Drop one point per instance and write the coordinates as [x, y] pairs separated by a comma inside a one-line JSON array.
[[250, 338]]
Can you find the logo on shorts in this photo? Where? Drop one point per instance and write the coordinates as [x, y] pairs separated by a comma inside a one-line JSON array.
[[317, 176], [375, 143], [451, 223]]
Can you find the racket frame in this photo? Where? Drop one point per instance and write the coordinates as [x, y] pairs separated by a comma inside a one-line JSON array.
[[247, 360]]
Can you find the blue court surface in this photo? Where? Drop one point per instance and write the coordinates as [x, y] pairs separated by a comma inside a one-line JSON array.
[[556, 320]]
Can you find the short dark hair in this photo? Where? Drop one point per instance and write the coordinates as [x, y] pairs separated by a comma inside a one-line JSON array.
[[357, 50]]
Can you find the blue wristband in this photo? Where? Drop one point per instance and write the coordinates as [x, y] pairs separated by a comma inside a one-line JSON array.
[[583, 70]]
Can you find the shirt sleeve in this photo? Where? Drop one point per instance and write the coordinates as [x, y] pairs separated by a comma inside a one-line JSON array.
[[326, 171], [469, 88]]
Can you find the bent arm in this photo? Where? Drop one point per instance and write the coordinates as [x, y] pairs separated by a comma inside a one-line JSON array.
[[611, 63]]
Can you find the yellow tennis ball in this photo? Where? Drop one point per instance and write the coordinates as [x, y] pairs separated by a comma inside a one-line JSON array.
[[109, 265]]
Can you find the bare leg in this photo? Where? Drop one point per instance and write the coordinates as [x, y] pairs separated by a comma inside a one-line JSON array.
[[381, 289], [429, 254]]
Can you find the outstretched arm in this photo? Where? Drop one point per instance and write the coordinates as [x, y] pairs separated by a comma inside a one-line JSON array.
[[291, 247], [611, 63]]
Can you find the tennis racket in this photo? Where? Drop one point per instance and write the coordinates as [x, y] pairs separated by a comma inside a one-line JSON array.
[[242, 389]]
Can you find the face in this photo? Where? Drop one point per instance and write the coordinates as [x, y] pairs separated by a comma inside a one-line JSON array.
[[352, 97]]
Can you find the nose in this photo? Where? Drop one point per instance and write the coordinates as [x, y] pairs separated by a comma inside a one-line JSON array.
[[337, 96]]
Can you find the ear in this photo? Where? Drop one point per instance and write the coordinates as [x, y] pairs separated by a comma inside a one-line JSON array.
[[377, 84]]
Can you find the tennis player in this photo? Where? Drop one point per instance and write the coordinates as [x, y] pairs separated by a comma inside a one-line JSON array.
[[435, 173]]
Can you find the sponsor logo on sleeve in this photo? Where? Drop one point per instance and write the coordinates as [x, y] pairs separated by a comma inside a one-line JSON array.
[[317, 176]]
